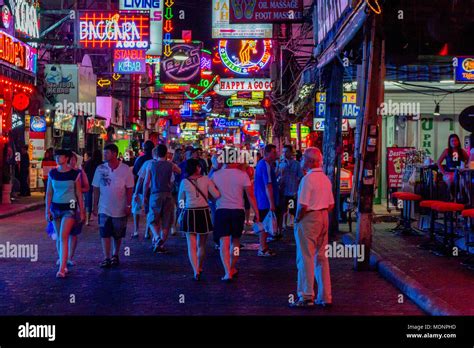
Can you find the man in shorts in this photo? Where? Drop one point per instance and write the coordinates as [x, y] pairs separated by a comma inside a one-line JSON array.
[[161, 205], [113, 187]]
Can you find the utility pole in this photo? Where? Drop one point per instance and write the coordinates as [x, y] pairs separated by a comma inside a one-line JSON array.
[[372, 90], [332, 137]]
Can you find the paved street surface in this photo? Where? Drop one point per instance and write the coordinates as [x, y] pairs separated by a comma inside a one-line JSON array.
[[444, 277], [147, 284]]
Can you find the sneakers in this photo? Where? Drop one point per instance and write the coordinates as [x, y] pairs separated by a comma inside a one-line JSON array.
[[107, 263], [159, 248], [266, 253], [114, 262], [302, 304]]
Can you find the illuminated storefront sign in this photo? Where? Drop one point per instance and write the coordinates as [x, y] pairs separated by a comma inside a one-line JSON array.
[[174, 88], [197, 91], [266, 11], [183, 65], [304, 131], [129, 61], [156, 21], [26, 14], [225, 123], [349, 107], [222, 29], [17, 121], [243, 102], [38, 124], [17, 53], [245, 56], [246, 85], [6, 17], [465, 70], [189, 126], [114, 30]]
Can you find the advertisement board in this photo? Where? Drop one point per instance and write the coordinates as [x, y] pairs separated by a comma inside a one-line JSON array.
[[222, 29], [156, 21], [245, 57], [26, 17], [350, 110], [246, 85], [129, 61], [17, 54], [465, 70], [38, 124], [183, 65], [61, 82], [266, 11], [108, 29], [395, 165]]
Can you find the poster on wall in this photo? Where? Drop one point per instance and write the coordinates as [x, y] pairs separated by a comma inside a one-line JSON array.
[[156, 21], [183, 65], [244, 57], [266, 11], [108, 29], [61, 81], [222, 29], [395, 166]]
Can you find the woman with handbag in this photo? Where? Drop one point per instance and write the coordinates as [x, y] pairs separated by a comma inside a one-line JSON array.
[[195, 218]]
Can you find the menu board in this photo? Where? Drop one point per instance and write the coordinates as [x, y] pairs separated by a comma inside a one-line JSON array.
[[396, 165]]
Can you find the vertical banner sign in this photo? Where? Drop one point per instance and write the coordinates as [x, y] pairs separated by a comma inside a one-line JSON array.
[[396, 165], [222, 29], [156, 21], [266, 11], [168, 27]]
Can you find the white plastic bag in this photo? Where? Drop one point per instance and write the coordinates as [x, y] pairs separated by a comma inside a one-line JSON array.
[[270, 223]]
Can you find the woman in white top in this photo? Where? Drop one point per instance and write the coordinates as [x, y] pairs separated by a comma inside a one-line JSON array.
[[195, 218]]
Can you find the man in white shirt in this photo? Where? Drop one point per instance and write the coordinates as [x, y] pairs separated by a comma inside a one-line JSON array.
[[113, 186], [315, 200]]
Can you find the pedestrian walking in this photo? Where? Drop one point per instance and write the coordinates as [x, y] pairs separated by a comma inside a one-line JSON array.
[[113, 188], [289, 173], [90, 166], [63, 197], [266, 193], [315, 201], [77, 229], [148, 148], [195, 219], [47, 164], [158, 182], [230, 214]]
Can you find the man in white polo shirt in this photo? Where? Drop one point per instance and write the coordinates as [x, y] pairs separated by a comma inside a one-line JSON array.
[[315, 200]]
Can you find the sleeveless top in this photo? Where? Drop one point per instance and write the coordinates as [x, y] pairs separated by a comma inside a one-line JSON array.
[[161, 172], [454, 159], [64, 189]]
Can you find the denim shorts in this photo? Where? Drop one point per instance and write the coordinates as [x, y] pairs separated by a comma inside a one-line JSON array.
[[59, 214], [115, 227]]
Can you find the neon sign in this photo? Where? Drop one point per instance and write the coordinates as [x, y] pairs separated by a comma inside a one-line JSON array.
[[182, 70], [26, 17], [197, 91], [17, 53], [246, 85], [129, 61], [266, 11], [168, 27], [225, 123], [248, 56], [114, 30], [465, 70]]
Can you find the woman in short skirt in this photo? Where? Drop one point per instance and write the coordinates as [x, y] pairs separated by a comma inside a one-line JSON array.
[[195, 218]]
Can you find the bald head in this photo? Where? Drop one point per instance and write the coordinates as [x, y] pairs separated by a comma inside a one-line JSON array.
[[313, 158]]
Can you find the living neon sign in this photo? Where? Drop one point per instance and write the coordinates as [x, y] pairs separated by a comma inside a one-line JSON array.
[[114, 30], [249, 56]]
